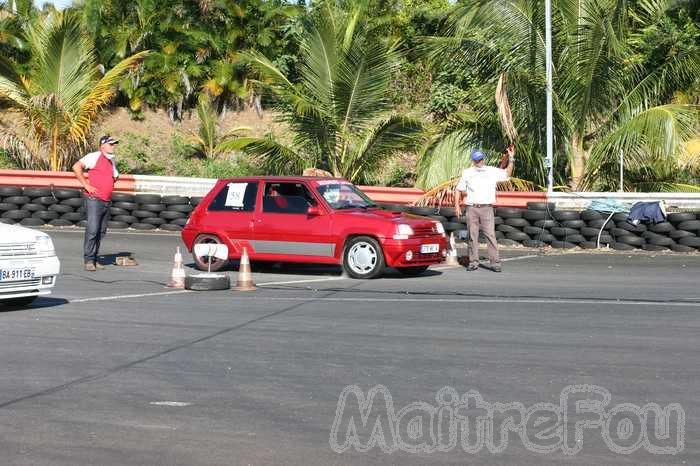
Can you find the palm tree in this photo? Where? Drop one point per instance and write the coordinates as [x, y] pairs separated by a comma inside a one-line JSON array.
[[209, 142], [338, 111], [605, 101], [61, 97]]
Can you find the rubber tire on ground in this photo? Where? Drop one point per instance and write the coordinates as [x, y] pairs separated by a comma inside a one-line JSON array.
[[564, 215], [125, 218], [654, 247], [8, 191], [675, 234], [662, 227], [81, 224], [19, 200], [681, 248], [196, 200], [661, 241], [632, 228], [31, 207], [606, 225], [541, 206], [631, 240], [6, 206], [590, 232], [170, 215], [45, 200], [147, 198], [507, 228], [24, 301], [496, 220], [618, 232], [575, 239], [175, 200], [534, 215], [532, 231], [170, 227], [60, 222], [142, 213], [379, 265], [184, 208], [575, 224], [622, 246], [544, 237], [7, 221], [517, 222], [620, 217], [16, 214], [129, 206], [116, 225], [46, 215], [692, 241], [73, 202], [453, 226], [31, 222], [66, 193], [518, 236], [509, 212], [157, 208], [115, 211], [178, 221], [34, 191], [678, 217], [533, 243], [647, 235], [73, 216], [589, 215], [122, 197], [61, 209], [507, 242], [389, 207], [561, 232], [604, 239], [588, 245], [447, 211], [143, 226], [563, 245], [439, 218], [422, 210], [196, 282], [689, 225], [546, 223], [216, 264], [157, 221], [499, 235], [412, 271]]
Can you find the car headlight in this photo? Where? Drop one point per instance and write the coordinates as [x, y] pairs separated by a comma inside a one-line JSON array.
[[403, 231], [44, 245], [439, 228]]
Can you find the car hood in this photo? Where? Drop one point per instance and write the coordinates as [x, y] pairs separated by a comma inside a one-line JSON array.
[[18, 234], [389, 216]]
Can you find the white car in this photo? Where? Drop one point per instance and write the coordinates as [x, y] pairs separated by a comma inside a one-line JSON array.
[[28, 265]]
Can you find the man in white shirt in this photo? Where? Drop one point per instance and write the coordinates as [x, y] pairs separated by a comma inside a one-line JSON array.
[[479, 183]]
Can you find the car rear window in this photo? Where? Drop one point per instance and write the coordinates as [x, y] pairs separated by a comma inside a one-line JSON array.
[[236, 197]]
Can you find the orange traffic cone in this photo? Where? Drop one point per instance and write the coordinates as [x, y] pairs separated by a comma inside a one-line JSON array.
[[245, 276], [177, 278]]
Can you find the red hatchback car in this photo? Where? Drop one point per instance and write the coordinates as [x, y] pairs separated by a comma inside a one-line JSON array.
[[312, 220]]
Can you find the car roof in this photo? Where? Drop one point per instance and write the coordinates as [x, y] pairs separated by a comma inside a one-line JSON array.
[[280, 178]]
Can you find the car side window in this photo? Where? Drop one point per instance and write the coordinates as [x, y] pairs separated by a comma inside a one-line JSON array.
[[287, 198], [235, 197]]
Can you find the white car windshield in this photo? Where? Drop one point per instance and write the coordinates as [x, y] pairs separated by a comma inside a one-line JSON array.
[[344, 196]]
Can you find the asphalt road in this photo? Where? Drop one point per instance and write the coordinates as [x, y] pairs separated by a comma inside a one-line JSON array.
[[115, 369]]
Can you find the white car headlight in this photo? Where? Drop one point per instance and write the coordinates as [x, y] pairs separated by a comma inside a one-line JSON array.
[[439, 228], [44, 245], [403, 231]]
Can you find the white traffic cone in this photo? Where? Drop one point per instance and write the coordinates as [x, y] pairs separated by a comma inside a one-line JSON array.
[[245, 275], [452, 258], [177, 278]]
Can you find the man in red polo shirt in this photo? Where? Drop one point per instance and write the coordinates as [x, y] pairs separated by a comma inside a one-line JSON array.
[[98, 194]]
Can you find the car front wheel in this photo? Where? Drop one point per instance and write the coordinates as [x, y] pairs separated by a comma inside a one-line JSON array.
[[363, 258]]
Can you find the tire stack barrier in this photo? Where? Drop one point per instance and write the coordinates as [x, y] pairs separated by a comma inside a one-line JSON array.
[[63, 207], [542, 225]]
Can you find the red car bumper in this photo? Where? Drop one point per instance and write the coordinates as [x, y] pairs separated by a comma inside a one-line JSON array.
[[407, 252]]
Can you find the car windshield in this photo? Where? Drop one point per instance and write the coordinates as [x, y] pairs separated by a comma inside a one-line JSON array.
[[344, 196]]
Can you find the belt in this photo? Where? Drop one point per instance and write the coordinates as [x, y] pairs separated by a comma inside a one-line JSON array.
[[479, 205]]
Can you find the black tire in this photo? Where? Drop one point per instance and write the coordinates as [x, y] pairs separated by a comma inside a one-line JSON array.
[[122, 197], [561, 232], [507, 242], [517, 222], [654, 247], [544, 237], [143, 226], [534, 215], [619, 217], [37, 192], [73, 217], [81, 224], [73, 202], [622, 246], [60, 222], [157, 221], [184, 208], [207, 282], [533, 243], [157, 208], [661, 241], [692, 241], [575, 224], [24, 301], [16, 214], [679, 217], [689, 225], [518, 236], [147, 198], [681, 248], [532, 231], [647, 235], [641, 228], [509, 212], [412, 271], [590, 232], [66, 193], [389, 207], [452, 226], [589, 215], [617, 232], [142, 213], [178, 221], [663, 227], [202, 263], [499, 234], [631, 240], [130, 206], [564, 215], [541, 206], [170, 227], [496, 220], [575, 239], [439, 218], [7, 221], [45, 200], [360, 246], [588, 245], [116, 211], [604, 239], [507, 229], [445, 211], [9, 191], [32, 207], [170, 215], [126, 219], [675, 234], [424, 211], [563, 245], [46, 215], [196, 200], [115, 225], [31, 222], [6, 206], [175, 200], [19, 200], [61, 209], [606, 225], [546, 223]]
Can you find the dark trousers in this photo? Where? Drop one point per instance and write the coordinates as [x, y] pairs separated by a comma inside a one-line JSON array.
[[97, 212], [482, 218]]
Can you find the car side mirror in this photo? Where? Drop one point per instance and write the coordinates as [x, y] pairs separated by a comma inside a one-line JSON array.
[[313, 211]]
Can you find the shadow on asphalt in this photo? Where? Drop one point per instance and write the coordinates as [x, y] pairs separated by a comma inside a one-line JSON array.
[[41, 302]]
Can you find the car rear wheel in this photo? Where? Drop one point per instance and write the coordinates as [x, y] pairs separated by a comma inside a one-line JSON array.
[[412, 271], [202, 263], [19, 302], [363, 258]]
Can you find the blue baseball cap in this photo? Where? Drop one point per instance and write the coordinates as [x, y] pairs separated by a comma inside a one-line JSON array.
[[477, 155]]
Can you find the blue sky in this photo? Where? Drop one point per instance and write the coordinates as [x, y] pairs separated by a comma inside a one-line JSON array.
[[57, 3]]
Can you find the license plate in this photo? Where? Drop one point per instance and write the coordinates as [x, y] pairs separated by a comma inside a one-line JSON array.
[[429, 248], [13, 275]]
